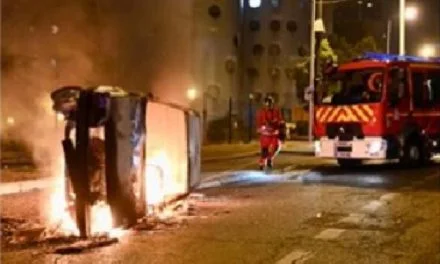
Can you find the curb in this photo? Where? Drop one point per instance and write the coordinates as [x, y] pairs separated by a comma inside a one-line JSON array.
[[251, 154], [26, 186]]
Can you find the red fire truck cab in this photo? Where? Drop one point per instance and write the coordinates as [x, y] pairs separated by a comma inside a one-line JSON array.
[[379, 107]]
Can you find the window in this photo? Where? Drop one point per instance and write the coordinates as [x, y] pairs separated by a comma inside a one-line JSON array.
[[254, 25], [433, 87], [397, 90], [252, 72], [275, 25], [275, 3], [214, 11], [274, 49], [254, 3], [419, 92], [291, 26], [352, 87], [257, 50]]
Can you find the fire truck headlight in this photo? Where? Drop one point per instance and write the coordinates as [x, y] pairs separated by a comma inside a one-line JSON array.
[[376, 146], [317, 145]]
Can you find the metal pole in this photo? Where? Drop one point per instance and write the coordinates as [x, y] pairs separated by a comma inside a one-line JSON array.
[[312, 68], [230, 121], [250, 120], [320, 10], [389, 29], [241, 50], [205, 116], [402, 27]]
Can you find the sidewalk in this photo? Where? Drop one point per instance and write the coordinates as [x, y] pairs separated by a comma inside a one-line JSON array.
[[242, 150], [26, 186]]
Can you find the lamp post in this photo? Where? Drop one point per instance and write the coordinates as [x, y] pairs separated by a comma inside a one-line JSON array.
[[317, 29], [405, 14], [402, 28], [250, 115], [312, 68], [192, 94]]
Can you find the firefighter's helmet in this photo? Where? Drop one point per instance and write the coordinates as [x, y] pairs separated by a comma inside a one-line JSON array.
[[269, 101]]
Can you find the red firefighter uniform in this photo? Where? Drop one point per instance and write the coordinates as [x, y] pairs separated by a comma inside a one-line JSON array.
[[269, 122]]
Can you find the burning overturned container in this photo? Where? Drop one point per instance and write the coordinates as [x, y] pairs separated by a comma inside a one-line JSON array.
[[125, 155]]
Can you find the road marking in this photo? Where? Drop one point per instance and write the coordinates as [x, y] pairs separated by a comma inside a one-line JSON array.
[[330, 234], [388, 197], [352, 219], [372, 206], [296, 256]]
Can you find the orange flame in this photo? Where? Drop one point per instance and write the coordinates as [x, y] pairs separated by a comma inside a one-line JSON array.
[[101, 219], [154, 178], [59, 213]]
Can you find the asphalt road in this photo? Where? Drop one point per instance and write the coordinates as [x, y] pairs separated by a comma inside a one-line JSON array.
[[305, 211]]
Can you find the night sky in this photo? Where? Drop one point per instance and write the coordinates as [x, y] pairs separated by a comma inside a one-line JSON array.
[[353, 21]]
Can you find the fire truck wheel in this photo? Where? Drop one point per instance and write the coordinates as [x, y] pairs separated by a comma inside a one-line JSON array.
[[412, 154], [349, 163]]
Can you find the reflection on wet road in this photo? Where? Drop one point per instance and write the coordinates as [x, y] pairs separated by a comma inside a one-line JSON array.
[[312, 171]]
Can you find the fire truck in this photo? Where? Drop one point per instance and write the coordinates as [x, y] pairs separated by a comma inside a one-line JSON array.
[[379, 106]]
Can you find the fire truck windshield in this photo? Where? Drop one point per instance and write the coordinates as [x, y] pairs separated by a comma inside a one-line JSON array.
[[352, 87]]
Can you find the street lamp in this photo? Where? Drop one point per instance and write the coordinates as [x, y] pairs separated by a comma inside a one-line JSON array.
[[427, 51], [411, 13], [312, 67], [10, 120], [191, 94]]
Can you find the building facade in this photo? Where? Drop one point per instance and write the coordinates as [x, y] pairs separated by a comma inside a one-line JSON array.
[[223, 49], [273, 32]]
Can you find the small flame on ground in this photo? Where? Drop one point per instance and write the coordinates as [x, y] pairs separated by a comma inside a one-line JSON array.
[[101, 218], [59, 214]]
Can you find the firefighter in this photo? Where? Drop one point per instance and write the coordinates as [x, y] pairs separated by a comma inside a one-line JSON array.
[[270, 127]]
